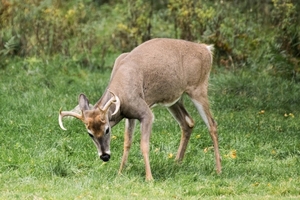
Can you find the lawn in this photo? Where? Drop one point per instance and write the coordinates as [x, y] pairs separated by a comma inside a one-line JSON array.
[[258, 124]]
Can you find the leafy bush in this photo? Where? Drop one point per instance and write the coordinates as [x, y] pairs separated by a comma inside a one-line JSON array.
[[287, 38], [262, 35], [136, 26], [190, 18], [46, 28]]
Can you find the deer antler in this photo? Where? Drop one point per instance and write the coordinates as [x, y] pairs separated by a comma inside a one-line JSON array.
[[62, 114], [114, 100]]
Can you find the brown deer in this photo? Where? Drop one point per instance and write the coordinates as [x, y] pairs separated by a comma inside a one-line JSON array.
[[158, 71]]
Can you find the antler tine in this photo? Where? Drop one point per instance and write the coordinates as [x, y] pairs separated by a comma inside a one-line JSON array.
[[114, 100], [107, 105], [62, 114]]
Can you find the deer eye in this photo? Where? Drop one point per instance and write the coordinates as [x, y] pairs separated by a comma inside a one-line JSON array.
[[90, 134], [106, 131]]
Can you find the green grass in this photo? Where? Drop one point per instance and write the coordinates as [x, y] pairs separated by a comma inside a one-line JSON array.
[[41, 161]]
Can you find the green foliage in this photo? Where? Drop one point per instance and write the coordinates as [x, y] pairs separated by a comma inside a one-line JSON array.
[[284, 16], [11, 46], [136, 26], [261, 35], [190, 18], [287, 38], [46, 28]]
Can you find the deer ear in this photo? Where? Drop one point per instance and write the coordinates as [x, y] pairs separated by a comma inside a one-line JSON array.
[[83, 102]]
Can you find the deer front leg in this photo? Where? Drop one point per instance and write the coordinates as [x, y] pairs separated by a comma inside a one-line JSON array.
[[128, 138], [146, 125]]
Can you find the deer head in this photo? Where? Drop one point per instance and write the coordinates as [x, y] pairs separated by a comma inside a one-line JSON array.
[[96, 121]]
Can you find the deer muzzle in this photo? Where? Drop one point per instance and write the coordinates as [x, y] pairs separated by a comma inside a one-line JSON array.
[[105, 157]]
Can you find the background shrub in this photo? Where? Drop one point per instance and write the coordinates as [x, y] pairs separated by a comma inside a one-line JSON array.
[[262, 35]]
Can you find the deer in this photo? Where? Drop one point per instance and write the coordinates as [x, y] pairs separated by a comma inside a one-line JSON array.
[[157, 72]]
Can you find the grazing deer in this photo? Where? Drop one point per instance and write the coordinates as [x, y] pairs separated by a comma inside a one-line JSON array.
[[158, 71]]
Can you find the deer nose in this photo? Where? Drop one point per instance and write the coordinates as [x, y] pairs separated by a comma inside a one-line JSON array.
[[105, 157]]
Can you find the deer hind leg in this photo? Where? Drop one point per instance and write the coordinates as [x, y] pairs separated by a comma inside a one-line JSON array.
[[186, 123], [202, 105], [128, 138]]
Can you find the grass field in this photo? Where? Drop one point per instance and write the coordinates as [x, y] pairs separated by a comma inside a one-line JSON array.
[[259, 136]]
